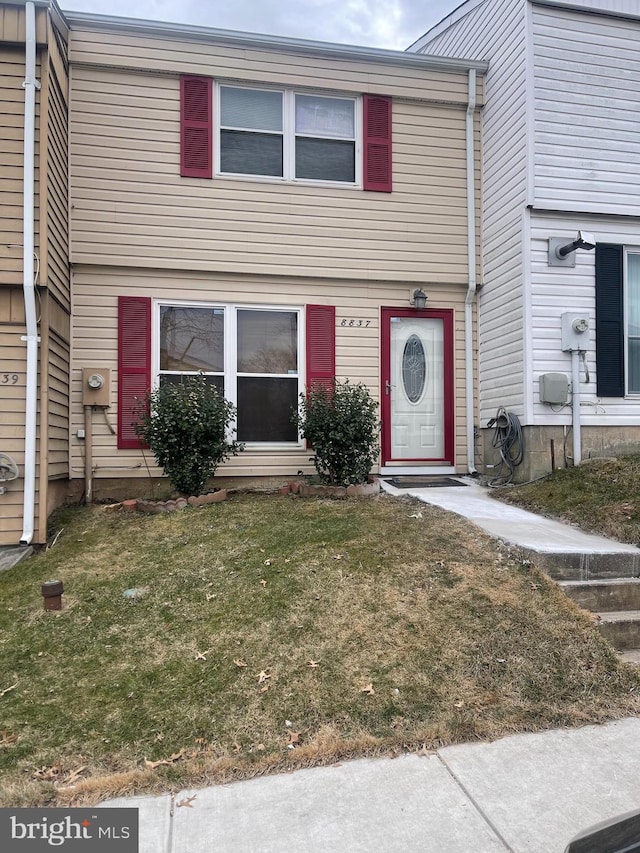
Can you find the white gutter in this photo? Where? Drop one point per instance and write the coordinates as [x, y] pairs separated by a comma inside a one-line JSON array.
[[30, 85], [471, 259], [281, 43]]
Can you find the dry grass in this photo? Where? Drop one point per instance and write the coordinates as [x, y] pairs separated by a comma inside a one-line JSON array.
[[278, 632], [601, 495]]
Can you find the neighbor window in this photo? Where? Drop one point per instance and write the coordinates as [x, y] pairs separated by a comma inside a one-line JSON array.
[[633, 323], [288, 135], [250, 354]]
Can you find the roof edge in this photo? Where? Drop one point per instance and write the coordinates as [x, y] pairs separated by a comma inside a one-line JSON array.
[[241, 39], [448, 21]]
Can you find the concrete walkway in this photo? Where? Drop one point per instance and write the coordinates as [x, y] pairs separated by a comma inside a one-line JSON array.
[[525, 794], [563, 549]]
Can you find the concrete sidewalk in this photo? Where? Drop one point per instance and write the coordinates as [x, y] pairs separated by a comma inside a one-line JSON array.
[[530, 793]]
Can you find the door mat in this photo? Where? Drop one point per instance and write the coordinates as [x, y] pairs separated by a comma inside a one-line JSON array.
[[422, 482]]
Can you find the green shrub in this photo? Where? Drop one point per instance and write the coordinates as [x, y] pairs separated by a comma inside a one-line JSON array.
[[185, 424], [342, 427]]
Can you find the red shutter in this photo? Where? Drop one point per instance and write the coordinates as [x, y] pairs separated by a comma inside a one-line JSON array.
[[377, 143], [196, 136], [321, 345], [134, 364]]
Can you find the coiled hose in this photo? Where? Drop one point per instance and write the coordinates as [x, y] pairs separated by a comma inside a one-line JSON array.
[[509, 442]]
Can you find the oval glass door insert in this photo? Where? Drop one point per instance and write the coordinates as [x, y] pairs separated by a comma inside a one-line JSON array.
[[414, 368]]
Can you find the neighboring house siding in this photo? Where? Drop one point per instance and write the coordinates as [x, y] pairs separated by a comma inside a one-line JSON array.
[[58, 391], [132, 208], [613, 7], [11, 154], [58, 178], [357, 348], [587, 105], [13, 412], [495, 30], [556, 290]]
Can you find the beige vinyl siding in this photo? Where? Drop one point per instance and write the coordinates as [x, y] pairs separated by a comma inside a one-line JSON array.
[[130, 206], [57, 176], [11, 156], [175, 55], [12, 421], [357, 348], [58, 390], [12, 24], [58, 433]]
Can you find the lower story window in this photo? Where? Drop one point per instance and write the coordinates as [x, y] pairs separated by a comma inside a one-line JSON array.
[[250, 354]]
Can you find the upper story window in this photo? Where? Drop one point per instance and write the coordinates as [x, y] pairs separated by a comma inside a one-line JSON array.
[[290, 135], [282, 135]]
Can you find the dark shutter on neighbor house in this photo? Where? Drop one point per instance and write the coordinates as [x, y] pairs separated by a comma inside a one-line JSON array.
[[609, 320], [196, 134], [377, 170], [321, 346], [134, 364]]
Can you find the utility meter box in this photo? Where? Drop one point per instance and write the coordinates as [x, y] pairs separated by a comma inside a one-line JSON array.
[[575, 332], [554, 388], [96, 386]]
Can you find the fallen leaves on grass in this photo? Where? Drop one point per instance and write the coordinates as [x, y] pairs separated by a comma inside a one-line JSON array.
[[312, 664], [263, 676], [8, 689], [263, 582], [151, 765], [368, 689], [6, 738], [239, 662], [424, 752], [203, 655], [47, 774], [294, 739]]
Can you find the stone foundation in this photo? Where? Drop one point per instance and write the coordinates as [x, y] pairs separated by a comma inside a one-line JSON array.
[[539, 450]]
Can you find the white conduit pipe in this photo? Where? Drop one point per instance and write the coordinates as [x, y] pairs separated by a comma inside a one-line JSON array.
[[31, 338], [575, 406], [471, 258]]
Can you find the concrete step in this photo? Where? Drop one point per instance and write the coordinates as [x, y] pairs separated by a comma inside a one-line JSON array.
[[631, 656], [622, 561], [604, 595], [621, 628]]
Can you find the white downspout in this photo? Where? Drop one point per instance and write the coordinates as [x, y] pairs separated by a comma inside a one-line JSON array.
[[471, 257], [30, 85]]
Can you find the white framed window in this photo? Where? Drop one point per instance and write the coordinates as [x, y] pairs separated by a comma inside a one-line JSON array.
[[632, 321], [252, 354], [286, 135]]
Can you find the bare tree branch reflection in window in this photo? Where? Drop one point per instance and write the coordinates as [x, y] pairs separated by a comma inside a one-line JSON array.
[[191, 339], [267, 342]]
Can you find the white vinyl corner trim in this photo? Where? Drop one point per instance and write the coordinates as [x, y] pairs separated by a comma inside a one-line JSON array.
[[472, 286]]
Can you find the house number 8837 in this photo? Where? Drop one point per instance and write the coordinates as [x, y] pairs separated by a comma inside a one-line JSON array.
[[356, 323]]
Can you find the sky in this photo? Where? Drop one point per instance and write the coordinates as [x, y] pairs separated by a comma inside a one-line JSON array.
[[392, 24]]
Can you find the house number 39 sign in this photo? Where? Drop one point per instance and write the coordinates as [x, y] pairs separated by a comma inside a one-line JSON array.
[[10, 378]]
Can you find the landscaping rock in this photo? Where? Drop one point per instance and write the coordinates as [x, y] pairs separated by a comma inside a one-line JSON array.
[[363, 489], [211, 498]]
